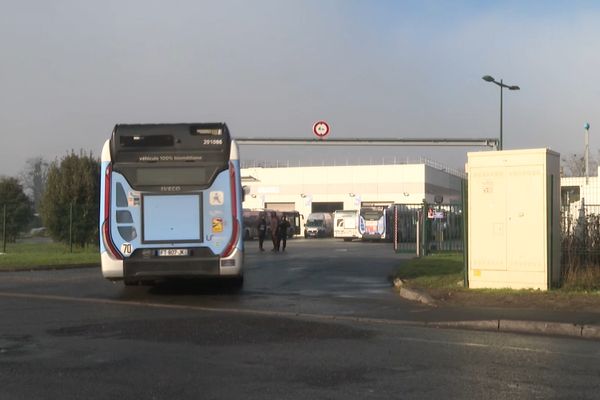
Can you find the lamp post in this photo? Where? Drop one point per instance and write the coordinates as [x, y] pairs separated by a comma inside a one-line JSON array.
[[587, 150], [488, 78]]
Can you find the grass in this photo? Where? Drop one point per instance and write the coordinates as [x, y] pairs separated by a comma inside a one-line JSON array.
[[442, 275], [31, 255], [582, 278], [434, 271]]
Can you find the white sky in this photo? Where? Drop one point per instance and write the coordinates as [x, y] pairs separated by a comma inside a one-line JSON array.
[[71, 70]]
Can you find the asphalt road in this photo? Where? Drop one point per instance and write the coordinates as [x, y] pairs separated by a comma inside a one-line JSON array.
[[319, 321]]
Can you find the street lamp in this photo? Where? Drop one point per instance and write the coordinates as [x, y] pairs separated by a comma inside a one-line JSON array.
[[488, 78], [587, 150]]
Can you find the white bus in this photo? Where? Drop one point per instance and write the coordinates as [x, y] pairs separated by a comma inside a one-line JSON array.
[[373, 222], [171, 204]]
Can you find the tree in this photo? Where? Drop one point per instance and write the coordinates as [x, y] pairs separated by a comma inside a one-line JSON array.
[[34, 178], [574, 165], [72, 194], [19, 210]]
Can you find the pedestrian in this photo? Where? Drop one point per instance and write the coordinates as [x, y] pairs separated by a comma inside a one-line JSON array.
[[283, 228], [274, 224], [262, 230]]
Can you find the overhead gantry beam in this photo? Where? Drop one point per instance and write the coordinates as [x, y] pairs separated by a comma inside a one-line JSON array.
[[485, 142]]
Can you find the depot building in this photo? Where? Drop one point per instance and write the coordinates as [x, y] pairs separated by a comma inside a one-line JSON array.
[[330, 188]]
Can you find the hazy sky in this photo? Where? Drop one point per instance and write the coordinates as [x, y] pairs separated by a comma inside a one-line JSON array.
[[71, 70]]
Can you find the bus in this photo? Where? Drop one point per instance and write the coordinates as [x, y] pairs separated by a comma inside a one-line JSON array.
[[250, 218], [373, 222], [171, 204], [346, 225], [295, 220]]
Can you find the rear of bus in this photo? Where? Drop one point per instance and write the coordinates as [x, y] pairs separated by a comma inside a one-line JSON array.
[[372, 223], [171, 203]]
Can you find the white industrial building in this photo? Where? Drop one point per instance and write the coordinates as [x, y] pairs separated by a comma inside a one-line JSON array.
[[330, 188], [576, 189]]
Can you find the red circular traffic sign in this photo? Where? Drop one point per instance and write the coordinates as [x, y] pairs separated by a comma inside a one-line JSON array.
[[321, 129]]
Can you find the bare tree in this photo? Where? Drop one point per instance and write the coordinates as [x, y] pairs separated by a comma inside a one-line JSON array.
[[574, 165]]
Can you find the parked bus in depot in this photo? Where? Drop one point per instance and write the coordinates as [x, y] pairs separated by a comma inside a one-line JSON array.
[[373, 222], [345, 225], [251, 217], [171, 204], [295, 220]]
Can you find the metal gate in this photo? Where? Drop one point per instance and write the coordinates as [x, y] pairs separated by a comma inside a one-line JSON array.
[[425, 228]]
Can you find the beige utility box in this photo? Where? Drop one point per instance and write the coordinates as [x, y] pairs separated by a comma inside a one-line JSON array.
[[513, 219]]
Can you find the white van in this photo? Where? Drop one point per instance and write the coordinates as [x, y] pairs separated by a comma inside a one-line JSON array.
[[318, 225]]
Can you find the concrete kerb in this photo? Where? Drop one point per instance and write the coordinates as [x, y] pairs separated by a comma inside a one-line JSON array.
[[413, 294], [417, 295], [531, 327], [549, 328], [500, 325], [590, 332]]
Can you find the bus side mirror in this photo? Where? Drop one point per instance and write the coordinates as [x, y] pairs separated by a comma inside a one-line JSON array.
[[245, 191]]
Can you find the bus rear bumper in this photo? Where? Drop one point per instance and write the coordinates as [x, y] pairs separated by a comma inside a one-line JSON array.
[[111, 269], [233, 265], [136, 269], [162, 268]]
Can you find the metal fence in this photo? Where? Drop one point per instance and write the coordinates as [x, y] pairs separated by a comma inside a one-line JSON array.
[[580, 236], [73, 224], [424, 228]]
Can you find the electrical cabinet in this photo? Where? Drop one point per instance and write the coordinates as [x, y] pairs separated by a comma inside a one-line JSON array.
[[513, 219]]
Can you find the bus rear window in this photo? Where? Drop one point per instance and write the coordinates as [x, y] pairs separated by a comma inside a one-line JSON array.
[[141, 141], [171, 176], [372, 215]]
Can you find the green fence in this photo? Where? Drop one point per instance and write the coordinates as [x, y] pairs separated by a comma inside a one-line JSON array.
[[429, 228]]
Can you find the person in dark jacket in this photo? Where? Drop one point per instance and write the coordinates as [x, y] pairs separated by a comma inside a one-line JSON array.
[[282, 229], [274, 223], [262, 231]]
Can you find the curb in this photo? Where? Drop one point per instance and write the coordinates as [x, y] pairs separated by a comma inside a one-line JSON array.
[[532, 327], [417, 295], [502, 325]]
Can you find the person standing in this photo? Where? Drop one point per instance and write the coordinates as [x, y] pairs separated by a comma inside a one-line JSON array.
[[274, 224], [283, 228], [262, 231]]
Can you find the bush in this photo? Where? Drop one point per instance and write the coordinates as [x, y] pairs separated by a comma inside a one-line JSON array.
[[72, 193], [19, 210]]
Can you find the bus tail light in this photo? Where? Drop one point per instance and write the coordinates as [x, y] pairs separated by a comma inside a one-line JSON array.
[[110, 246], [235, 223]]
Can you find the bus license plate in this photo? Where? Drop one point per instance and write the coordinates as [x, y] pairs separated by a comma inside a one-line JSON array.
[[172, 252]]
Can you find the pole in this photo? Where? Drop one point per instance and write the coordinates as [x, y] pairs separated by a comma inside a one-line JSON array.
[[465, 232], [396, 228], [424, 228], [419, 221], [4, 229], [587, 151], [71, 226], [501, 87]]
